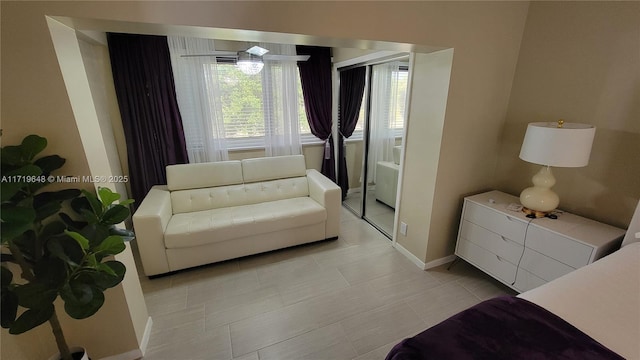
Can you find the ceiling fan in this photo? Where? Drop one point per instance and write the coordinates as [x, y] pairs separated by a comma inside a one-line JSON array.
[[251, 61]]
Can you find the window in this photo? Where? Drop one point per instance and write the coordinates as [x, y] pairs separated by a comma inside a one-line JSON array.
[[243, 110]]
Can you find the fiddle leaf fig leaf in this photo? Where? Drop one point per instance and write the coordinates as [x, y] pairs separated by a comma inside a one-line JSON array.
[[27, 244], [74, 225], [16, 180], [89, 216], [49, 163], [115, 215], [9, 307], [12, 155], [53, 228], [51, 271], [66, 249], [107, 197], [80, 203], [35, 295], [96, 205], [127, 202], [111, 245], [47, 210], [6, 278], [95, 233], [104, 268], [107, 279], [32, 145], [55, 196], [77, 293], [15, 221], [88, 305], [84, 242], [31, 318]]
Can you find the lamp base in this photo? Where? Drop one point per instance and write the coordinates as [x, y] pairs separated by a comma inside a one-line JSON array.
[[535, 213], [540, 197]]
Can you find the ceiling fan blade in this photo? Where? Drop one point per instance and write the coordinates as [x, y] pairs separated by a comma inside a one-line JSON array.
[[215, 53], [286, 57]]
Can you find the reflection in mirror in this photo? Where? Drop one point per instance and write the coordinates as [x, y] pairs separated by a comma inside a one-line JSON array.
[[350, 123], [373, 151]]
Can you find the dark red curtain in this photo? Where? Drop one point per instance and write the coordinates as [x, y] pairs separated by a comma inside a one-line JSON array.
[[352, 84], [144, 85], [315, 75]]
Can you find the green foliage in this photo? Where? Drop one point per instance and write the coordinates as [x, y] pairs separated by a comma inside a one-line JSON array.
[[58, 255], [242, 107]]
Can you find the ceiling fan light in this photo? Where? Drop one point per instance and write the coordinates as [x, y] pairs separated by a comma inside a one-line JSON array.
[[249, 67], [249, 64]]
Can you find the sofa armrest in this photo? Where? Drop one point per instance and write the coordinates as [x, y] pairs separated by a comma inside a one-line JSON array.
[[329, 195], [150, 221]]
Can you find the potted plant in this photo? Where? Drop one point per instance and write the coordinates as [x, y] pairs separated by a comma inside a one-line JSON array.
[[46, 252]]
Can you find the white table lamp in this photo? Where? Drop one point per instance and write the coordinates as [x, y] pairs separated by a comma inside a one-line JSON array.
[[552, 144]]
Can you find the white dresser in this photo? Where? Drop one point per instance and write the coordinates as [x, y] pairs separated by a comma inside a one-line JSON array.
[[524, 253]]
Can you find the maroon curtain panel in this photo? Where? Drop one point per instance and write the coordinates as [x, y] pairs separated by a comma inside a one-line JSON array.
[[315, 76], [143, 80], [352, 84]]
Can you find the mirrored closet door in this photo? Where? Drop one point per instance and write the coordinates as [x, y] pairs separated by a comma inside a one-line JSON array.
[[373, 149]]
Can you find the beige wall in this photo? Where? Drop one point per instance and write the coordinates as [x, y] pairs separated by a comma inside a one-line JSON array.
[[485, 35], [580, 61], [343, 54]]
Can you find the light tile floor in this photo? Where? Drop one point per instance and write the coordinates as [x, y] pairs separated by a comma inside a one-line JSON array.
[[350, 298]]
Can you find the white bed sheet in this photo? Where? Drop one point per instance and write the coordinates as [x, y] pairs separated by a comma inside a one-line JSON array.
[[601, 299]]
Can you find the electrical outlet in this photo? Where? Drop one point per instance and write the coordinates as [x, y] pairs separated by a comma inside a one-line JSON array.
[[403, 228]]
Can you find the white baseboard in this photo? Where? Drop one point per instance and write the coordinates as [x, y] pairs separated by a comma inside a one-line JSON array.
[[419, 263], [414, 259], [146, 336], [438, 262]]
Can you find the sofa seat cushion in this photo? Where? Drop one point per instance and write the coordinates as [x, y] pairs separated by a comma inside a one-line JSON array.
[[216, 225]]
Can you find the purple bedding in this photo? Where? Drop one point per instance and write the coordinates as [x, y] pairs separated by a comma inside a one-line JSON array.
[[502, 328]]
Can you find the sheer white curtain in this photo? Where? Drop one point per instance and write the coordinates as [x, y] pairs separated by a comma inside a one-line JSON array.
[[197, 89], [280, 103], [384, 95]]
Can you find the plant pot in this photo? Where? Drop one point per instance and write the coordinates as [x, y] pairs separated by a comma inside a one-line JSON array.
[[77, 353]]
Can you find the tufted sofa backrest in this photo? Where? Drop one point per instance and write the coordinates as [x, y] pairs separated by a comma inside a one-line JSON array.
[[205, 186]]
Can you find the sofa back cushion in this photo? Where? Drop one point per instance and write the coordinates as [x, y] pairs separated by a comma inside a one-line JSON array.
[[203, 175], [276, 190], [184, 201], [271, 168], [270, 179]]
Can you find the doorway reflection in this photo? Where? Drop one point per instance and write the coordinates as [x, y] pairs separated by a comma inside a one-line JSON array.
[[373, 152]]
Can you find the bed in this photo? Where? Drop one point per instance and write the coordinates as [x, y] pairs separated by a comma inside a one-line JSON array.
[[591, 313]]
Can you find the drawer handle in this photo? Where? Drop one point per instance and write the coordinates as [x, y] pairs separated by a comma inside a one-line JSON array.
[[504, 238], [499, 258], [510, 218]]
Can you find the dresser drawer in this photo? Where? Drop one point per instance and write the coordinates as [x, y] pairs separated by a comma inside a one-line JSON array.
[[494, 243], [543, 266], [499, 223], [487, 261], [563, 249], [527, 281]]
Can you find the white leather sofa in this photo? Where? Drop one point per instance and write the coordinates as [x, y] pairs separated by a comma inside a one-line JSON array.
[[211, 212], [387, 179]]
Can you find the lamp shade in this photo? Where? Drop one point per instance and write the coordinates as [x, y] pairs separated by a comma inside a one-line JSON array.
[[545, 143]]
